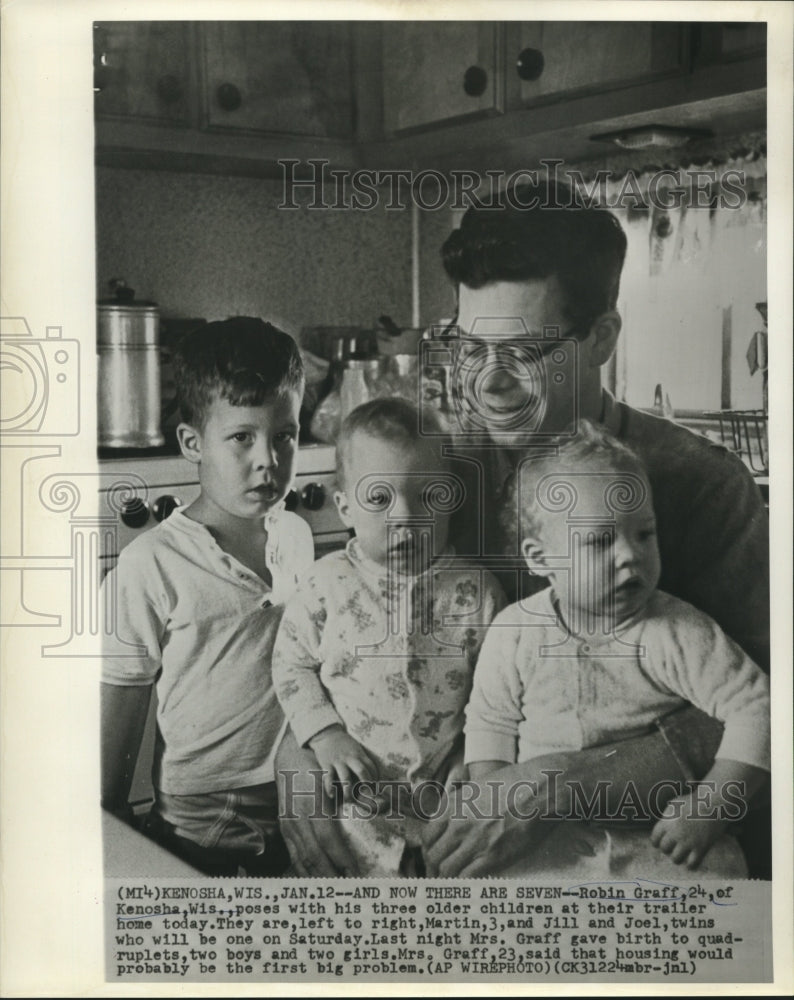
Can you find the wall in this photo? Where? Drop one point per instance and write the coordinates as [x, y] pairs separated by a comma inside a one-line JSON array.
[[436, 292], [688, 302], [213, 246]]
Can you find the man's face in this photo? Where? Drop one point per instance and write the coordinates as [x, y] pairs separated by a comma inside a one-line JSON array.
[[388, 487], [509, 371]]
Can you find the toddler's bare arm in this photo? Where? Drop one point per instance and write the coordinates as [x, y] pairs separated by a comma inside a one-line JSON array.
[[691, 824], [123, 718]]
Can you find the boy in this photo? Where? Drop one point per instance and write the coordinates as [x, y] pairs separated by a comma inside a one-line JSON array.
[[374, 657], [202, 595], [603, 653]]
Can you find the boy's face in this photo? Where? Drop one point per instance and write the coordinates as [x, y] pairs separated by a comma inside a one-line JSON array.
[[611, 563], [388, 484], [246, 454]]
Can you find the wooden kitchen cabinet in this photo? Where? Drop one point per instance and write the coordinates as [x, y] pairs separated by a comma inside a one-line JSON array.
[[552, 60], [726, 41], [439, 71], [142, 71], [238, 97], [285, 77]]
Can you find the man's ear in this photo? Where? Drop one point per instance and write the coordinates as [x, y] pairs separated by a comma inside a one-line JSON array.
[[343, 506], [535, 555], [604, 331], [189, 442]]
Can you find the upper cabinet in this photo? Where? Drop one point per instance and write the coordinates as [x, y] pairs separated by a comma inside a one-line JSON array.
[[238, 96], [559, 59], [142, 71], [439, 71], [286, 77], [725, 41]]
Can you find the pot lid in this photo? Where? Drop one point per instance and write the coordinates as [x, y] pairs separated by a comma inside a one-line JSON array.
[[124, 296]]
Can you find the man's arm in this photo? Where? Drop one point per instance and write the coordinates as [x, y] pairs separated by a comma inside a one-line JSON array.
[[726, 543], [535, 795], [306, 814], [123, 715]]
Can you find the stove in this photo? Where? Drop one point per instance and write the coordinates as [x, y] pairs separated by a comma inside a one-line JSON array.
[[139, 491]]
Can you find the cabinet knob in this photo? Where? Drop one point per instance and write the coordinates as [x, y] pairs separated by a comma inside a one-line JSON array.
[[169, 89], [165, 506], [291, 500], [475, 81], [530, 63], [313, 496], [229, 97], [135, 512]]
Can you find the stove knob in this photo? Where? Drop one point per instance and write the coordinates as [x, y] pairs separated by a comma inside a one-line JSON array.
[[313, 496], [135, 512], [291, 500], [165, 506]]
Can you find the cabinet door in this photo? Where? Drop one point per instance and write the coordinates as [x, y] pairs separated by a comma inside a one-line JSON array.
[[437, 71], [567, 57], [293, 78], [724, 41], [142, 70]]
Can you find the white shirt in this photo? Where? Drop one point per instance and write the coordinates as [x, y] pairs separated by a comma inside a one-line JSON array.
[[539, 689], [193, 619], [388, 657]]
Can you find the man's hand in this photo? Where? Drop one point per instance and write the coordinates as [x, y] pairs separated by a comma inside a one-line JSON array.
[[343, 759], [531, 797], [489, 826], [307, 815]]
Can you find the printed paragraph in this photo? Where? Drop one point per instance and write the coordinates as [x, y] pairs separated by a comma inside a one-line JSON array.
[[227, 930]]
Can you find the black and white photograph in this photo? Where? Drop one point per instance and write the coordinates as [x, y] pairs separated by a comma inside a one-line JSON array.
[[396, 456]]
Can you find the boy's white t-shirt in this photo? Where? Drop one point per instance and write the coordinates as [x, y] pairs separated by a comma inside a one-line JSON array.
[[190, 617]]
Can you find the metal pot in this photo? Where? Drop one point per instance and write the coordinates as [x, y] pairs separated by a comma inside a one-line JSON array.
[[128, 371]]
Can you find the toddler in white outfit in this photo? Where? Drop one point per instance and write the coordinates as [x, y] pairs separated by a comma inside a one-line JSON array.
[[602, 654], [375, 654]]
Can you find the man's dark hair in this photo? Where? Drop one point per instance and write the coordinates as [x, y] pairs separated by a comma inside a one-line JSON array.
[[242, 360], [582, 246]]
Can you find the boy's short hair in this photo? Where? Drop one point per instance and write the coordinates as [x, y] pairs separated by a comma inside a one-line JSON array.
[[241, 359], [389, 418], [559, 235], [591, 441]]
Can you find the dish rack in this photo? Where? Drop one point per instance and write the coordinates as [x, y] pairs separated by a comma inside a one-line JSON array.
[[745, 432]]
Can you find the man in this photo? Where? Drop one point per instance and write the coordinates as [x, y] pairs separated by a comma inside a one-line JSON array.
[[544, 276], [527, 278]]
